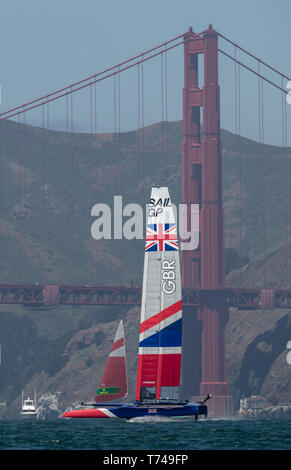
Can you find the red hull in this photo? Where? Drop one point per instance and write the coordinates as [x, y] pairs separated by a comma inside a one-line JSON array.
[[89, 413]]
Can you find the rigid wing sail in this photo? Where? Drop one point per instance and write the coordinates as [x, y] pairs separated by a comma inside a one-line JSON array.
[[160, 341]]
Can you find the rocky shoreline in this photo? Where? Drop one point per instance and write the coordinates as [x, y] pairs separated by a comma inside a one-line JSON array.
[[279, 411]]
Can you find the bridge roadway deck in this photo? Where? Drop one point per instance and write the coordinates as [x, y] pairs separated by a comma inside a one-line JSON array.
[[56, 295]]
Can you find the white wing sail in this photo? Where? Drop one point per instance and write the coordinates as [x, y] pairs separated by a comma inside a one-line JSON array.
[[160, 341]]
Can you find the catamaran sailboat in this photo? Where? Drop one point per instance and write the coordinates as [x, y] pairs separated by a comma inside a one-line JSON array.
[[160, 339], [113, 383]]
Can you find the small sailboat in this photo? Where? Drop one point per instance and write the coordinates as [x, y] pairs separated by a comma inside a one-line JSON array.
[[28, 407], [160, 338], [113, 383]]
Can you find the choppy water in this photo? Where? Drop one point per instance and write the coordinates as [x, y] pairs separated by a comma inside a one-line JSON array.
[[174, 434]]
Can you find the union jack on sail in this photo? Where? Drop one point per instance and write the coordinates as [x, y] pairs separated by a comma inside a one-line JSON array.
[[161, 237]]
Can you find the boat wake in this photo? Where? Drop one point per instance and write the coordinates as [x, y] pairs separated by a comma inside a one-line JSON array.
[[160, 419], [150, 419]]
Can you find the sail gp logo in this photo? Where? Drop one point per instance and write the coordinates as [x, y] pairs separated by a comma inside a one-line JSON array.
[[156, 207], [128, 222]]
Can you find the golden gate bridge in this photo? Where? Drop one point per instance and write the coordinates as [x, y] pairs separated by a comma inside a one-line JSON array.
[[205, 293]]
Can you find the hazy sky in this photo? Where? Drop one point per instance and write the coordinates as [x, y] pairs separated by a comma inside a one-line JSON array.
[[46, 45]]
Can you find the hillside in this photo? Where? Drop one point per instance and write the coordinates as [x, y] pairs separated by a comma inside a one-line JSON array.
[[50, 181]]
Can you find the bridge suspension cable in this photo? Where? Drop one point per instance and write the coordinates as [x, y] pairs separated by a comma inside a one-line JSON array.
[[238, 176], [254, 72], [253, 56], [79, 85], [285, 188], [262, 160]]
